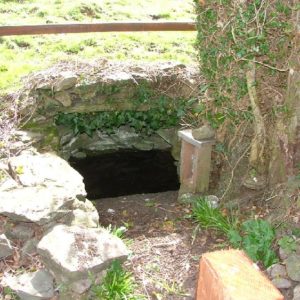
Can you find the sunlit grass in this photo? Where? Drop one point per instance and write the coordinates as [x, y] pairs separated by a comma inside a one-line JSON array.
[[20, 55]]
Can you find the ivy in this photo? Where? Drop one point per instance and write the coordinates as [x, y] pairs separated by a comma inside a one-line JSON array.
[[165, 114], [230, 34]]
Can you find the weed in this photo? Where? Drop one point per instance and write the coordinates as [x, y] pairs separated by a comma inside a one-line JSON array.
[[257, 240], [256, 237], [173, 288], [117, 231], [296, 232], [288, 244], [118, 284], [210, 217], [8, 293]]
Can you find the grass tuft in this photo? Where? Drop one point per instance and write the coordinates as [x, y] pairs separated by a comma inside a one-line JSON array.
[[210, 217], [118, 284]]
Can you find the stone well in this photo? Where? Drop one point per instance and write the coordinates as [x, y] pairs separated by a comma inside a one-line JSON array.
[[107, 87]]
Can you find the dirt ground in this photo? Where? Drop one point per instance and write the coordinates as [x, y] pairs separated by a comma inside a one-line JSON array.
[[166, 245]]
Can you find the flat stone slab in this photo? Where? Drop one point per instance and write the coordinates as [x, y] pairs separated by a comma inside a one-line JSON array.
[[31, 286], [48, 170], [72, 252], [35, 204], [187, 136]]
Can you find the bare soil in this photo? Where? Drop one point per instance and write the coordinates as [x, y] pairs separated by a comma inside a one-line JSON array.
[[166, 245]]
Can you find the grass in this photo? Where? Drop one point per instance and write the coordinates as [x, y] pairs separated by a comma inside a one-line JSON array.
[[118, 284], [255, 236], [211, 218], [21, 55]]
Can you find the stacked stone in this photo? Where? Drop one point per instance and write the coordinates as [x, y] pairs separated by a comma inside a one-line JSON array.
[[44, 214]]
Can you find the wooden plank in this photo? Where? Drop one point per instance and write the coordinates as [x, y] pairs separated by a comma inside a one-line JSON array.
[[96, 27]]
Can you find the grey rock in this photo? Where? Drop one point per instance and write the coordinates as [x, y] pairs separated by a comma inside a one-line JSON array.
[[6, 181], [293, 267], [47, 170], [277, 271], [65, 81], [29, 248], [203, 133], [297, 292], [213, 200], [124, 138], [79, 155], [168, 134], [64, 98], [5, 247], [36, 204], [83, 213], [187, 197], [26, 136], [255, 182], [84, 251], [32, 286], [7, 184], [282, 283], [283, 254], [20, 232], [81, 286], [117, 76]]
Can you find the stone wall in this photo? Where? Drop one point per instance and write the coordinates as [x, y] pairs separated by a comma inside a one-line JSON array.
[[48, 225], [100, 87]]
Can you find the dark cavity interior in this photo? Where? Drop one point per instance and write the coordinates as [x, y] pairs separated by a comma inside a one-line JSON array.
[[127, 173]]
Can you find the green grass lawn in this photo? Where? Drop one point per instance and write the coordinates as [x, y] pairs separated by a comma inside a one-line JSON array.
[[20, 55]]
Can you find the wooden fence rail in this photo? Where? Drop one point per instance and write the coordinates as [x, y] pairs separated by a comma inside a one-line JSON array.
[[96, 27]]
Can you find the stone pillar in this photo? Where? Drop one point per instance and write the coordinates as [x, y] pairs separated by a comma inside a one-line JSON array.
[[230, 274], [195, 161]]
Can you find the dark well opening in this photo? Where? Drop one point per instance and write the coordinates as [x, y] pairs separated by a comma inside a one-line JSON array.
[[127, 173]]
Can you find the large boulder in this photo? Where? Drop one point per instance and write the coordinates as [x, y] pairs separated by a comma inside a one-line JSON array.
[[39, 205], [71, 253], [47, 170]]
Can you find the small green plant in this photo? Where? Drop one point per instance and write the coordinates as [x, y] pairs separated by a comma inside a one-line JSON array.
[[118, 284], [296, 232], [210, 217], [288, 244], [256, 237], [117, 231], [257, 240], [8, 293], [172, 288]]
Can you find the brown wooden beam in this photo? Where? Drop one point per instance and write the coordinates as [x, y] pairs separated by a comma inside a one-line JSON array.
[[96, 27]]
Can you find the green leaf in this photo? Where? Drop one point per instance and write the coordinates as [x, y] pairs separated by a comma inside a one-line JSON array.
[[234, 237]]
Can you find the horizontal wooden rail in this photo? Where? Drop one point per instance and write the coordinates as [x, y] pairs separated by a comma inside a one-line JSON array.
[[96, 27]]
